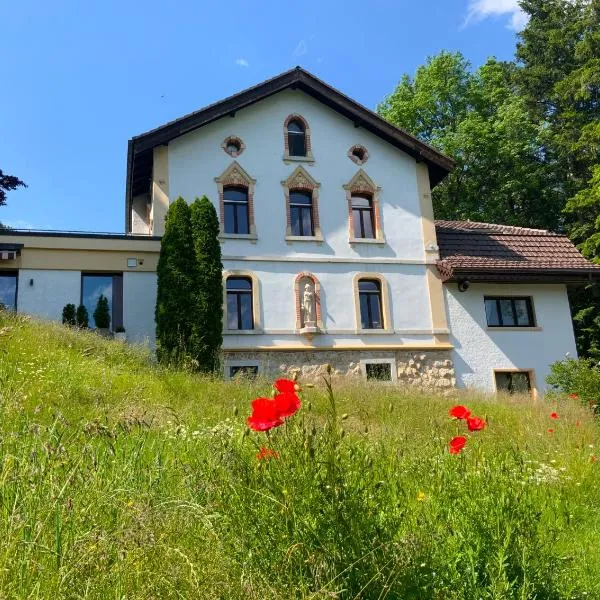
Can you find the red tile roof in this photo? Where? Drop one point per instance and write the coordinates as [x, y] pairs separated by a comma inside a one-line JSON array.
[[489, 252]]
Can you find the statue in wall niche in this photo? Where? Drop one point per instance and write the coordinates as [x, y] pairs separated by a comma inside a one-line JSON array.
[[308, 306]]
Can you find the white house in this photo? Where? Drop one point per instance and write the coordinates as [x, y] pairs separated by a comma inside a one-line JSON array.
[[330, 251]]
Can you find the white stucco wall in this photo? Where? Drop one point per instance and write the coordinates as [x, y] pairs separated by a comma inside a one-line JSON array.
[[195, 159], [479, 349], [139, 300], [51, 290]]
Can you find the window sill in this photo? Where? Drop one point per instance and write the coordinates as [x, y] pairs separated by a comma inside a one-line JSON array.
[[366, 241], [309, 158], [252, 237], [374, 331], [304, 238], [536, 328], [243, 332]]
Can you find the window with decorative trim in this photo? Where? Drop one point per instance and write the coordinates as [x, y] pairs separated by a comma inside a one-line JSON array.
[[372, 303], [364, 218], [358, 154], [233, 146], [307, 295], [241, 302], [302, 206], [296, 135], [236, 202]]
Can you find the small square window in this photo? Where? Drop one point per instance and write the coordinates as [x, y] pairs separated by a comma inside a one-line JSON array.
[[132, 263], [378, 371], [249, 371], [513, 382]]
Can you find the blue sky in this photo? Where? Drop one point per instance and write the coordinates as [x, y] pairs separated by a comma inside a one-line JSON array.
[[81, 78]]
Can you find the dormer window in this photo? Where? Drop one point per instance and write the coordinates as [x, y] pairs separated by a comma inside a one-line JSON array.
[[296, 138]]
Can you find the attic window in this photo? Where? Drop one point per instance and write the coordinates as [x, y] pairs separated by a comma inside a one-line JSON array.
[[358, 154], [233, 146]]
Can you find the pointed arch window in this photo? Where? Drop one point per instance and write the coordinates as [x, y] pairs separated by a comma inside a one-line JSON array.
[[235, 199], [296, 136], [302, 206], [364, 218]]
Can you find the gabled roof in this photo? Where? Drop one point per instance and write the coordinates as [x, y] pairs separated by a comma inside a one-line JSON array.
[[502, 253], [139, 155]]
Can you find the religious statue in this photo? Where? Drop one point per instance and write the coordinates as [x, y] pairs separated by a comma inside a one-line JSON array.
[[308, 306]]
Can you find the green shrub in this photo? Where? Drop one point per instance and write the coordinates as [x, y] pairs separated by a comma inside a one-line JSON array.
[[69, 315], [83, 319], [579, 377], [102, 313]]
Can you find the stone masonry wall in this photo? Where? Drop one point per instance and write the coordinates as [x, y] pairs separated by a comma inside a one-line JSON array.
[[422, 368]]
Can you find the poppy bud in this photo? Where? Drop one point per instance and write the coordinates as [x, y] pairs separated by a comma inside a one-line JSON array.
[[344, 416], [342, 433], [235, 411], [328, 369], [309, 406], [309, 385], [391, 407], [366, 430]]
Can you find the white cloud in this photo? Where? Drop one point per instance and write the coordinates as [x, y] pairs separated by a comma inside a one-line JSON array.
[[301, 49], [482, 9], [241, 62]]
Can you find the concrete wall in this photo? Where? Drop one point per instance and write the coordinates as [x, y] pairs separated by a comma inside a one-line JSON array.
[[51, 290], [480, 349], [139, 300], [195, 159]]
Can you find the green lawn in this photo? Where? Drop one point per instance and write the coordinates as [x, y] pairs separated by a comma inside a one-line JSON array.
[[119, 479]]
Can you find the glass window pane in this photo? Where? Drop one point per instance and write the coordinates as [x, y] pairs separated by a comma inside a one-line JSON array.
[[520, 383], [8, 291], [491, 312], [295, 127], [367, 216], [503, 382], [296, 143], [235, 194], [506, 309], [301, 198], [239, 283], [379, 371], [307, 227], [246, 311], [522, 310], [229, 218], [356, 223], [232, 316], [91, 288], [368, 285], [361, 202], [364, 311], [242, 218], [250, 371], [295, 220], [375, 311]]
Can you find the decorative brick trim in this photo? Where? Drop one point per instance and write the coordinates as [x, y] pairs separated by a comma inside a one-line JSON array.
[[300, 179], [286, 149], [298, 301], [235, 175], [256, 300], [228, 140], [355, 159], [385, 301], [361, 183]]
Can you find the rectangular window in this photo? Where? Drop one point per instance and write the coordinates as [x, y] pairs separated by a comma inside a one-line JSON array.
[[301, 216], [111, 287], [362, 217], [369, 295], [378, 371], [508, 311], [239, 303], [235, 202], [8, 290], [249, 371], [513, 382]]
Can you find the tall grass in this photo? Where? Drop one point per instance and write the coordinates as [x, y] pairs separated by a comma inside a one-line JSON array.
[[119, 479]]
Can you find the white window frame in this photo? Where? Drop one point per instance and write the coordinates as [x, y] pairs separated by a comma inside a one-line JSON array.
[[376, 361]]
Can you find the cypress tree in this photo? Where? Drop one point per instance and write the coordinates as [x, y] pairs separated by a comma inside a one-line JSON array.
[[208, 327], [102, 313], [68, 315], [177, 283], [82, 317]]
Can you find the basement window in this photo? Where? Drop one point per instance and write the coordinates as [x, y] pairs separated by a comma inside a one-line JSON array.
[[513, 382], [379, 369]]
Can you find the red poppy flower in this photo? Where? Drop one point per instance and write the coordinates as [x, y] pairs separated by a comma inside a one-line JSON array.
[[457, 444], [286, 404], [266, 453], [460, 412], [593, 459], [286, 385], [577, 423], [574, 396], [475, 423], [554, 415], [264, 415], [550, 430]]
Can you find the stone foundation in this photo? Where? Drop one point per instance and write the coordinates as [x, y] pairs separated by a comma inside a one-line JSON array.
[[421, 368]]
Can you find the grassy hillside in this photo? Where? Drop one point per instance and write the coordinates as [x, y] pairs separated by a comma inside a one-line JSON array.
[[119, 479]]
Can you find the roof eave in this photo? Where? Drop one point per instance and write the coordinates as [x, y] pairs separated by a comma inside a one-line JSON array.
[[450, 274]]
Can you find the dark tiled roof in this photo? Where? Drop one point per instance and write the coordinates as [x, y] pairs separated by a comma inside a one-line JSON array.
[[490, 252]]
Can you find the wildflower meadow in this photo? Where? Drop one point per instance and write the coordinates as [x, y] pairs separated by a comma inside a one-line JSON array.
[[123, 479]]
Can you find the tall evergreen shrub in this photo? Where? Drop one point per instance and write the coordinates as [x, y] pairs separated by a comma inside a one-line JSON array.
[[68, 315], [102, 313], [83, 318], [207, 332], [177, 274]]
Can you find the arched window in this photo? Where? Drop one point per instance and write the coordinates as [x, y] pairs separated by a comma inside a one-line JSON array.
[[239, 303], [296, 136], [301, 212], [362, 216], [369, 296], [235, 200]]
